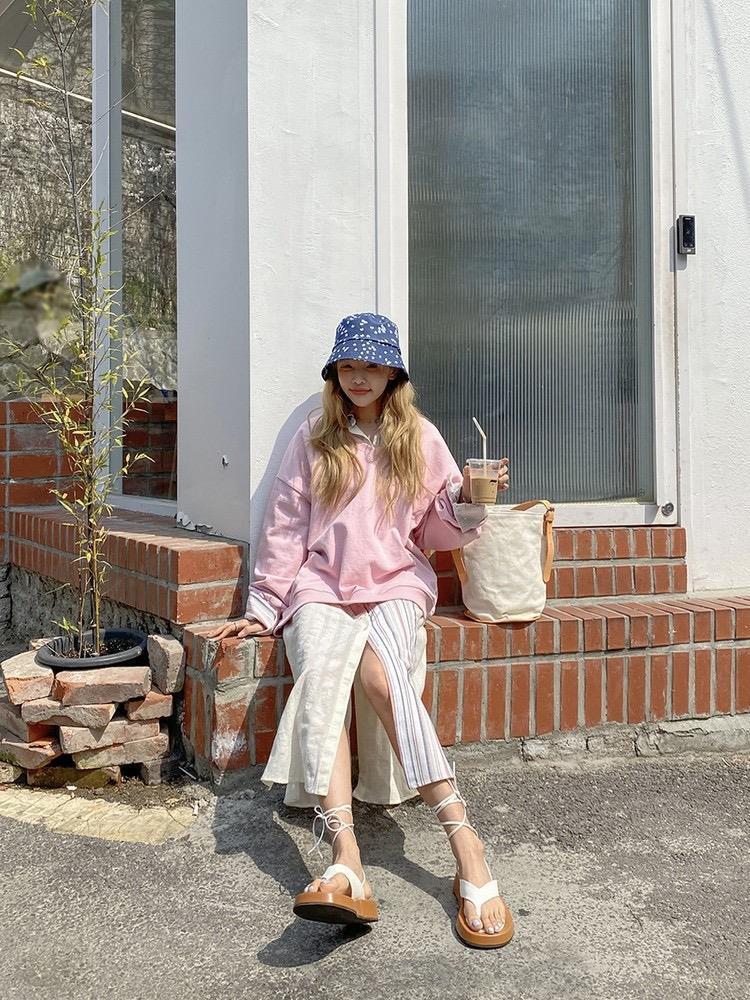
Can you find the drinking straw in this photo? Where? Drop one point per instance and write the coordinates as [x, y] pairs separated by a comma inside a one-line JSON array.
[[484, 444]]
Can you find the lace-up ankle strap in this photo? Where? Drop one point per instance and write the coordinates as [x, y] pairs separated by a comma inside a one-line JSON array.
[[329, 818], [454, 796]]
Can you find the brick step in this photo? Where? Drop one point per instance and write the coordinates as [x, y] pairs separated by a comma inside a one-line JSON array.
[[512, 699], [154, 565], [568, 628], [598, 562], [577, 667], [572, 627], [640, 542]]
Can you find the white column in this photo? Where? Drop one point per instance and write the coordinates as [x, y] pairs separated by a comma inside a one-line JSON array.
[[276, 231], [711, 72], [106, 189], [213, 265]]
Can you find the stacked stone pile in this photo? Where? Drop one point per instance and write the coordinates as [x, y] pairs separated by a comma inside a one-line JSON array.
[[82, 724]]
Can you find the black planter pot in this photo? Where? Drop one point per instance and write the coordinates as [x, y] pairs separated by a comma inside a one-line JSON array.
[[129, 643]]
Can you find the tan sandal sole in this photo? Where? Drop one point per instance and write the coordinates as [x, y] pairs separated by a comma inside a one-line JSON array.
[[335, 908], [481, 939]]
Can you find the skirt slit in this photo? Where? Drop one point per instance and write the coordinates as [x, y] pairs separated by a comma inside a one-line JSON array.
[[392, 636], [324, 645]]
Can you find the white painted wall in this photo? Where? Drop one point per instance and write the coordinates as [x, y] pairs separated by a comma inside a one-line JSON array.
[[713, 157], [312, 207], [276, 203]]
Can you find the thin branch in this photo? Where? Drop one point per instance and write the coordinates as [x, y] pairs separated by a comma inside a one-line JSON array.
[[145, 204], [89, 176], [84, 9], [53, 146]]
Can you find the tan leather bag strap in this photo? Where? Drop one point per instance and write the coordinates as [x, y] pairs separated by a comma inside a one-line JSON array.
[[528, 504], [549, 556], [549, 517], [458, 559]]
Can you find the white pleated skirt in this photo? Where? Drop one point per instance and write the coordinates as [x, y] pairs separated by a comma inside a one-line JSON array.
[[324, 644]]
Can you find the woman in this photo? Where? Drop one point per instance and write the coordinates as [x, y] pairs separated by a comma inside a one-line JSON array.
[[340, 574]]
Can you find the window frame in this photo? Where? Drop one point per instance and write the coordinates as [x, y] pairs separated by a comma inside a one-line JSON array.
[[106, 191], [392, 242]]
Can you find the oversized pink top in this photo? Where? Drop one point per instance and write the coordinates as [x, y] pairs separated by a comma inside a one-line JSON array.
[[353, 555]]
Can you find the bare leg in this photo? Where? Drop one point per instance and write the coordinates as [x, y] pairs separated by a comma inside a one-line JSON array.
[[345, 849], [467, 848]]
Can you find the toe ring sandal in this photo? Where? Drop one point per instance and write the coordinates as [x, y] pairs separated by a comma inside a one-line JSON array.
[[336, 907], [465, 890]]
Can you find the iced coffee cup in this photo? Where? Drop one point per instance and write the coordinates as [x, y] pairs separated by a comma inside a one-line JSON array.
[[483, 476]]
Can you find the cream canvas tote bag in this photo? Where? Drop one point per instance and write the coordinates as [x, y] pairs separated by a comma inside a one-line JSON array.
[[504, 572]]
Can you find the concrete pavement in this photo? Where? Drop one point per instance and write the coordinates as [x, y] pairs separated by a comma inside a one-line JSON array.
[[628, 878]]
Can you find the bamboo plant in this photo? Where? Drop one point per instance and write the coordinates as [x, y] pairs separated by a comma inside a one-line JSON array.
[[73, 392]]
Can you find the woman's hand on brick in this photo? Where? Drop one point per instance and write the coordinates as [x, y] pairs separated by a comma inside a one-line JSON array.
[[241, 627]]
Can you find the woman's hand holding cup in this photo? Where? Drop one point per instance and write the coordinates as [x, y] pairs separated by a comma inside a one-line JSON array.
[[489, 478], [503, 481]]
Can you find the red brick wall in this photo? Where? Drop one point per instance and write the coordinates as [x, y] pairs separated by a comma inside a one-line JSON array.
[[32, 461], [678, 659], [152, 429], [154, 566]]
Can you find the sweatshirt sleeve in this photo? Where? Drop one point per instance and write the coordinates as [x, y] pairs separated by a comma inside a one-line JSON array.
[[447, 523], [282, 547]]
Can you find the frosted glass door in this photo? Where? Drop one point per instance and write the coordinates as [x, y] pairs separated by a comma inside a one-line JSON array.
[[530, 282]]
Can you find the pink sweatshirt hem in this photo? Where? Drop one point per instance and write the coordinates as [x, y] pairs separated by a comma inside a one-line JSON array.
[[421, 598]]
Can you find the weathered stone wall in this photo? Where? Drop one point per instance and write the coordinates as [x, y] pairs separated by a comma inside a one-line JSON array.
[[36, 602], [33, 320], [5, 601]]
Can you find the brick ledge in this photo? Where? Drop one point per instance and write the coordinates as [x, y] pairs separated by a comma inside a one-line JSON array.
[[235, 691], [156, 566]]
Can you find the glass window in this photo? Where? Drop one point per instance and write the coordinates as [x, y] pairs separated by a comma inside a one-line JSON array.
[[530, 243], [149, 240], [37, 231]]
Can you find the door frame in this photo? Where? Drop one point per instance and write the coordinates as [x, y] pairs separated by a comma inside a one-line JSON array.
[[392, 242]]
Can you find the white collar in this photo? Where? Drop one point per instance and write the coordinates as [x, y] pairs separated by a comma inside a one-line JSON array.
[[357, 430]]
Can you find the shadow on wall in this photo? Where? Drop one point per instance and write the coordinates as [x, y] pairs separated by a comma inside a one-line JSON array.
[[286, 432]]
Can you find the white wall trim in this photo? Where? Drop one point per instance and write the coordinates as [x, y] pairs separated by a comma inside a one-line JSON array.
[[683, 28], [106, 198], [663, 261], [145, 505], [607, 514]]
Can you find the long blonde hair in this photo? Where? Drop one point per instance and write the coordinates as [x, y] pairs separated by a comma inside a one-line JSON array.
[[337, 472]]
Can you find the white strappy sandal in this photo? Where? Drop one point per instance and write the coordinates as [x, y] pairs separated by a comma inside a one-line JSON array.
[[335, 907], [478, 895]]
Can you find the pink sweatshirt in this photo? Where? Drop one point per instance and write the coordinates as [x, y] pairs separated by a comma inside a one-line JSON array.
[[353, 555]]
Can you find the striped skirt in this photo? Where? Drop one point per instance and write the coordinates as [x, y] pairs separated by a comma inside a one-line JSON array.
[[324, 644]]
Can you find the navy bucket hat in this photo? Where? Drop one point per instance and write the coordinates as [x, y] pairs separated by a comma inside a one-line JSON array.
[[367, 337]]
